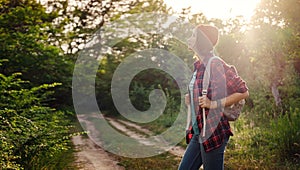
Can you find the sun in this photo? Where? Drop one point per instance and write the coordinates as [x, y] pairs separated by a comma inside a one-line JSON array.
[[222, 9]]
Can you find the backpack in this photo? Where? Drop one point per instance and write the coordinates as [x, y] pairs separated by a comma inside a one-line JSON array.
[[232, 112]]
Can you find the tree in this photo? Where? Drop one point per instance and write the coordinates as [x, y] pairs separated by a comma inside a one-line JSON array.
[[25, 27], [273, 44], [120, 50], [80, 20]]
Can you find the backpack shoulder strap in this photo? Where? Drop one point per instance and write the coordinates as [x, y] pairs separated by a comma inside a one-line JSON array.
[[205, 83], [206, 76]]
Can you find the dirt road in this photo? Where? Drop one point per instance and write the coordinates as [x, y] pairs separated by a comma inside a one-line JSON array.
[[91, 157]]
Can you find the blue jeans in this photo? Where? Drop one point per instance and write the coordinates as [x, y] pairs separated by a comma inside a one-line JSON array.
[[195, 156]]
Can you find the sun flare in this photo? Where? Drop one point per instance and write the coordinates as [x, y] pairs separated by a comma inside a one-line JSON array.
[[222, 9]]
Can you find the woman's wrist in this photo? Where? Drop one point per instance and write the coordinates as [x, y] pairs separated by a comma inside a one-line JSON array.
[[216, 104], [219, 103]]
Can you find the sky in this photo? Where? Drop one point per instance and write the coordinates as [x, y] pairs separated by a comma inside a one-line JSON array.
[[222, 9]]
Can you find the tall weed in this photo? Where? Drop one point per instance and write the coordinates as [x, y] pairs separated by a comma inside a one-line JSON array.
[[284, 136], [261, 141]]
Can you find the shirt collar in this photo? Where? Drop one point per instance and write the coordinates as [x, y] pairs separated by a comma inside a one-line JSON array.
[[199, 63]]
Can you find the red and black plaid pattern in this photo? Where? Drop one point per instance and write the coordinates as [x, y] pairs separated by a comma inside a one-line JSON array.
[[224, 81]]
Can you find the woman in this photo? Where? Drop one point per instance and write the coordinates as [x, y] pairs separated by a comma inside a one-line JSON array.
[[225, 89]]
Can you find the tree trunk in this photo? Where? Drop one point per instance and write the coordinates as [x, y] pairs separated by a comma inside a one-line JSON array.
[[276, 94]]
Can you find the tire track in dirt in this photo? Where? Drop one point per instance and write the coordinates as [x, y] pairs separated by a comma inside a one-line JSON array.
[[90, 156], [141, 137]]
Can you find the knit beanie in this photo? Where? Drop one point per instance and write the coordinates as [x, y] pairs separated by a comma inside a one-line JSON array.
[[211, 32], [206, 39]]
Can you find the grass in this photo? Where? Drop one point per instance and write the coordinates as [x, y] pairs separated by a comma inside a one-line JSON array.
[[165, 161], [256, 144], [66, 160]]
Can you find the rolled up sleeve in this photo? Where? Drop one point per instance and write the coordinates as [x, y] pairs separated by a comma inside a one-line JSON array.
[[235, 84]]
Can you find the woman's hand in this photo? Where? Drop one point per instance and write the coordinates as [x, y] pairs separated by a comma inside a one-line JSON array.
[[187, 99], [204, 102]]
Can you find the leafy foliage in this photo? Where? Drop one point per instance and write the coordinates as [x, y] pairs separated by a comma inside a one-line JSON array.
[[32, 134], [25, 28], [80, 20]]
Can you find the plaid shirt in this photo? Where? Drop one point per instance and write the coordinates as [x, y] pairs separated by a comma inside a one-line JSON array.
[[224, 81]]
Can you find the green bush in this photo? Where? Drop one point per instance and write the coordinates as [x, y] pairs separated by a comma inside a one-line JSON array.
[[261, 141], [32, 134], [139, 96], [284, 136], [26, 33]]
